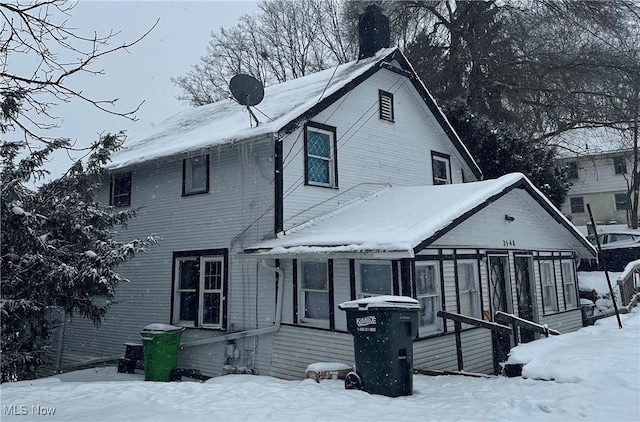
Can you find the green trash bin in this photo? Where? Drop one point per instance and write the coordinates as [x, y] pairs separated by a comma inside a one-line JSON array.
[[383, 329], [161, 343]]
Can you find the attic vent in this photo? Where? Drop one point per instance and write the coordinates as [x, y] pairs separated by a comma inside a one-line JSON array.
[[386, 106]]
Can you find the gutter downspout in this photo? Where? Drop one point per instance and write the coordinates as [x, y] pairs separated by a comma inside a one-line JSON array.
[[250, 333]]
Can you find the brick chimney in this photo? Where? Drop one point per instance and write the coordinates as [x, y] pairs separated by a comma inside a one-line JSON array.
[[373, 29]]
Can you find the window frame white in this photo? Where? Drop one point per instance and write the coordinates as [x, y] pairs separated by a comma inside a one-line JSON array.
[[331, 159], [190, 165], [471, 290], [359, 277], [200, 290], [548, 287], [446, 160], [303, 317], [569, 283], [434, 296]]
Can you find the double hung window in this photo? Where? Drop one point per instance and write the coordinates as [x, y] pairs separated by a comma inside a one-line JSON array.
[[195, 175], [468, 288], [549, 292], [314, 291], [428, 295], [320, 155], [120, 193], [441, 168]]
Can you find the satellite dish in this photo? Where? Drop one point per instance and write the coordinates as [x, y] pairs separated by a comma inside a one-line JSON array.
[[246, 89]]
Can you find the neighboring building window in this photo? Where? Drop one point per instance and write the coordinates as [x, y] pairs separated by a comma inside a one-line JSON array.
[[621, 201], [320, 155], [314, 290], [620, 165], [441, 169], [428, 294], [199, 283], [577, 204], [572, 170], [569, 284], [374, 278], [549, 293], [386, 105], [120, 190], [468, 288], [195, 175]]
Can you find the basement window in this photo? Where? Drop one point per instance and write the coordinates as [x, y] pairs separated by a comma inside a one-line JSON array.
[[386, 105]]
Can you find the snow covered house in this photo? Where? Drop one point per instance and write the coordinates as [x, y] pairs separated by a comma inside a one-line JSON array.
[[600, 165], [353, 184]]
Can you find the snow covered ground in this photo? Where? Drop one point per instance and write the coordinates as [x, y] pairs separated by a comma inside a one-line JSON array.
[[592, 375]]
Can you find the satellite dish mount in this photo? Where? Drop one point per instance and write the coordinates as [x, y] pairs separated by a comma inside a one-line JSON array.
[[247, 91]]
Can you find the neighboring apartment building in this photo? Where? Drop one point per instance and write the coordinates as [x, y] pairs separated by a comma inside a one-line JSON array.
[[599, 168]]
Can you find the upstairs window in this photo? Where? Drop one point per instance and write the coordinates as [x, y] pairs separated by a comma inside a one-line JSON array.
[[441, 169], [314, 291], [195, 175], [374, 278], [577, 204], [572, 170], [320, 163], [469, 290], [621, 201], [619, 165], [386, 105], [549, 292], [428, 295], [120, 190]]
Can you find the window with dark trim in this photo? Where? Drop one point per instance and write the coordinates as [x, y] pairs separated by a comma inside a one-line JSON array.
[[374, 278], [441, 166], [320, 161], [427, 276], [120, 192], [195, 175], [569, 284], [313, 279], [620, 165], [386, 105], [572, 169], [621, 201], [199, 289], [469, 289], [577, 204]]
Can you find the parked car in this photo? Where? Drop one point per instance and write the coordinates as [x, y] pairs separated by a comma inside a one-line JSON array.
[[618, 249]]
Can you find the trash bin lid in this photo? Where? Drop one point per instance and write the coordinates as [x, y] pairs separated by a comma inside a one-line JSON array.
[[162, 328], [385, 301]]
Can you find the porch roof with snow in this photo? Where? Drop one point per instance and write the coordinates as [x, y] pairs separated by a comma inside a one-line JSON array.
[[397, 222], [285, 107]]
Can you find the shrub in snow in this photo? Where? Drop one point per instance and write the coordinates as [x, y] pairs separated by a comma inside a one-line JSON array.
[[58, 250]]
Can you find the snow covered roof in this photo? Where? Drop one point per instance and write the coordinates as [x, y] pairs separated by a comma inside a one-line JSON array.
[[397, 221], [283, 106], [590, 142]]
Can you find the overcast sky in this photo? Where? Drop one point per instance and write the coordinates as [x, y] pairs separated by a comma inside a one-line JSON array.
[[143, 73]]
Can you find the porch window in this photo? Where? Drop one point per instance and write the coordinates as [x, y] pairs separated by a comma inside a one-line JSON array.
[[314, 290], [441, 168], [195, 175], [549, 292], [468, 288], [428, 295], [320, 155], [569, 284], [199, 283], [120, 190], [374, 278]]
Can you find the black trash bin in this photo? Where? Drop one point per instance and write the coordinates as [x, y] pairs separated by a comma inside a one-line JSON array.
[[383, 329]]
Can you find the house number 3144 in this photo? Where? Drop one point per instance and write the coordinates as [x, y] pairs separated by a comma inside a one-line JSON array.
[[509, 242]]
